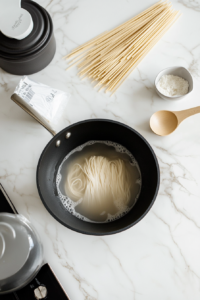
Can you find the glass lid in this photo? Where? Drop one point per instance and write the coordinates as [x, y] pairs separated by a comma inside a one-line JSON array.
[[20, 252]]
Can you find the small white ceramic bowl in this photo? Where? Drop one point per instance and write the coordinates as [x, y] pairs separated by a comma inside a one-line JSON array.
[[177, 71]]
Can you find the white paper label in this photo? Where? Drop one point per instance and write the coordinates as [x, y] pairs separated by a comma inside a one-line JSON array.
[[15, 22]]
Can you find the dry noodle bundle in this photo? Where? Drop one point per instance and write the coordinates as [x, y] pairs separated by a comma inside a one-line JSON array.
[[100, 179], [110, 57]]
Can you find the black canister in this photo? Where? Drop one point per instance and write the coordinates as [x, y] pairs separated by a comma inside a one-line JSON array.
[[33, 53]]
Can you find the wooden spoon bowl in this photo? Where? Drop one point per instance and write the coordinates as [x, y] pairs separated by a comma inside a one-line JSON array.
[[163, 122]]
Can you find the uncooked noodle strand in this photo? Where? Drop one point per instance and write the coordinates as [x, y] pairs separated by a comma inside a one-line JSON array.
[[110, 57]]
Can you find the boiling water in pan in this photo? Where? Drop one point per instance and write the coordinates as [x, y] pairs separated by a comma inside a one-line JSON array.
[[109, 203]]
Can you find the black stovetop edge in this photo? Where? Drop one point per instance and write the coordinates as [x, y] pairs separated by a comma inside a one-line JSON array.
[[46, 276]]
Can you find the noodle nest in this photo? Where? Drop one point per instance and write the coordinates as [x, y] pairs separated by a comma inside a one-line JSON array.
[[99, 179]]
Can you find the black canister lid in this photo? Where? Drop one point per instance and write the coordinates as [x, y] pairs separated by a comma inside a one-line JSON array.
[[14, 49]]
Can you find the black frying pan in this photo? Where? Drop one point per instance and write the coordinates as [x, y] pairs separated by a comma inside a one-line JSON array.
[[61, 144]]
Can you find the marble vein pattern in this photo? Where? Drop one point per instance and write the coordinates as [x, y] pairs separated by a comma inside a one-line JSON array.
[[159, 258]]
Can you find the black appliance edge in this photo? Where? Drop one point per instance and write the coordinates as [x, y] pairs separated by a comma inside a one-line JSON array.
[[46, 276]]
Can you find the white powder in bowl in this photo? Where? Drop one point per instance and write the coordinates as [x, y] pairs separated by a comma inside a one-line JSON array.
[[170, 85]]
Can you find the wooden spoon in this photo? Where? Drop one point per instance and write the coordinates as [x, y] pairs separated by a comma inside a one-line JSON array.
[[164, 122]]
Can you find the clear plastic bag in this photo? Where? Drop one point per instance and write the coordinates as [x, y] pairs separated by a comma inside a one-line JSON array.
[[44, 102]]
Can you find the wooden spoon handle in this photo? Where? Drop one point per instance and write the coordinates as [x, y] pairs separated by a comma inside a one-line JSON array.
[[183, 114]]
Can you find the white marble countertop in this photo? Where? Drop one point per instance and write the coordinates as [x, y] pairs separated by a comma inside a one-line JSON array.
[[159, 258]]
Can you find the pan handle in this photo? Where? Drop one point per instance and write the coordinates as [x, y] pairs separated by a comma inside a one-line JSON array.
[[17, 100]]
